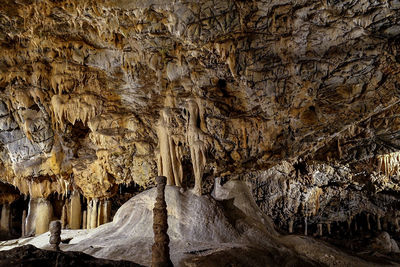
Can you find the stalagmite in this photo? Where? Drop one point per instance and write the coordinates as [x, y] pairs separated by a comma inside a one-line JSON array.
[[5, 218], [55, 235], [291, 226], [197, 145], [328, 226], [84, 220], [23, 226], [74, 217], [44, 216], [368, 222], [160, 249], [320, 229], [64, 217]]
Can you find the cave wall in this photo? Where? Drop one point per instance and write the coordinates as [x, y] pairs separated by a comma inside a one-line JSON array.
[[99, 94]]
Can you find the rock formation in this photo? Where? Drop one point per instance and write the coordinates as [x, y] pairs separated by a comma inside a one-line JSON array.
[[160, 248], [55, 235]]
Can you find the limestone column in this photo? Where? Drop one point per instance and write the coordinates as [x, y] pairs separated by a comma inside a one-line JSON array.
[[89, 212], [100, 213], [368, 222], [93, 213], [44, 216], [84, 220], [160, 249], [64, 217], [30, 222], [5, 218], [328, 225], [75, 211], [107, 211], [23, 226], [104, 212]]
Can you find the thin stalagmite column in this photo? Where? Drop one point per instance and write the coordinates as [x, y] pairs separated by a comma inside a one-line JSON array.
[[5, 218], [23, 228], [84, 219], [160, 249], [368, 222], [75, 211]]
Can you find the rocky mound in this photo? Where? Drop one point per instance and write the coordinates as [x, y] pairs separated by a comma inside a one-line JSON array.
[[30, 256]]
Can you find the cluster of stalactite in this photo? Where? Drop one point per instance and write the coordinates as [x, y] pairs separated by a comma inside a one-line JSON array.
[[355, 225]]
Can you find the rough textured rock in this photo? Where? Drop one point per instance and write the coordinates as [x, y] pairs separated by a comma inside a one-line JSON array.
[[160, 249], [31, 256]]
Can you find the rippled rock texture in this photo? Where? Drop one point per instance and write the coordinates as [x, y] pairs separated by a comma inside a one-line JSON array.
[[96, 94]]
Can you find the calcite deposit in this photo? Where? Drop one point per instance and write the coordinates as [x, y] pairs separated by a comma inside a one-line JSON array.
[[298, 98]]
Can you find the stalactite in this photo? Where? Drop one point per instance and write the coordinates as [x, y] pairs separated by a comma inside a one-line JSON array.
[[169, 157], [197, 144]]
